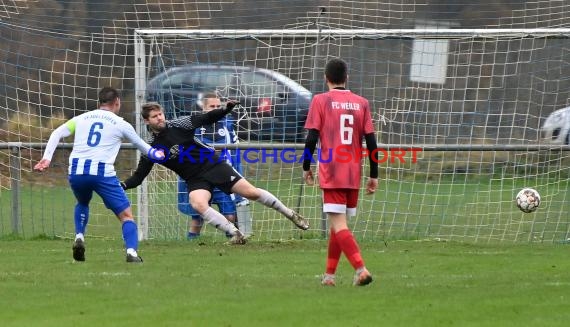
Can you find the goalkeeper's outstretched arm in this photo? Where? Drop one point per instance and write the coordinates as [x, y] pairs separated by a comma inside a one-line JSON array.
[[206, 118], [143, 169]]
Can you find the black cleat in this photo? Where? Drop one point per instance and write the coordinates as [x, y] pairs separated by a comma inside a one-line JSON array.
[[79, 250], [132, 258]]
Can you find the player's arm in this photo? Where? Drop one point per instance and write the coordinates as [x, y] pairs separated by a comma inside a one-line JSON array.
[[143, 169], [62, 131], [131, 135], [371, 145], [310, 145], [313, 125], [210, 117]]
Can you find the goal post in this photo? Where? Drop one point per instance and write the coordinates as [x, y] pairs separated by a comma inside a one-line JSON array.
[[475, 117]]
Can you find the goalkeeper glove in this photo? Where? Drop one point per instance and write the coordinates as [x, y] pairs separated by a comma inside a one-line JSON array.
[[230, 105], [123, 185]]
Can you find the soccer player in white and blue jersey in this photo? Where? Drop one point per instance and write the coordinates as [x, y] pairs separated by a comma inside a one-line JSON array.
[[98, 135]]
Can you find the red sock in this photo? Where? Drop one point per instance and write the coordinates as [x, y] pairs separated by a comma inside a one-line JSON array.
[[350, 248], [334, 253]]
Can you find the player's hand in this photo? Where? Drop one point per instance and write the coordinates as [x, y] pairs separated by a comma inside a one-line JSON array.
[[124, 186], [371, 185], [42, 165], [308, 177], [231, 104]]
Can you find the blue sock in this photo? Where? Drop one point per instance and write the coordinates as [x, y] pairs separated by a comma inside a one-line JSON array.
[[192, 236], [81, 218], [130, 235]]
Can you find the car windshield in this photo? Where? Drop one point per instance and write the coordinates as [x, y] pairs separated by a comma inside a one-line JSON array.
[[181, 80], [257, 85], [294, 86], [198, 79]]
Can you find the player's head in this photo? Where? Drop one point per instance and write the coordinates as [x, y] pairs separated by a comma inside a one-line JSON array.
[[109, 98], [153, 116], [336, 71], [211, 101]]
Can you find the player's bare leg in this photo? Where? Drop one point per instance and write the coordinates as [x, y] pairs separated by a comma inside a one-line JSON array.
[[200, 201], [245, 189]]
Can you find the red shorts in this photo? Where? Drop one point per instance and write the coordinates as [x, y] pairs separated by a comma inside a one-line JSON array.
[[341, 200]]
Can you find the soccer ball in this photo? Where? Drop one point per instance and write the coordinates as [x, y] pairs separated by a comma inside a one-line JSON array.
[[528, 200]]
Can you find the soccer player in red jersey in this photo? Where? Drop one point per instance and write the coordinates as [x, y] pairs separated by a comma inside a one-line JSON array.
[[340, 119]]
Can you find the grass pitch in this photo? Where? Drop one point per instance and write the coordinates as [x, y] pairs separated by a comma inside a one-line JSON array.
[[207, 283]]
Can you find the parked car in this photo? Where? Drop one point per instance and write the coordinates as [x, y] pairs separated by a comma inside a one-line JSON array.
[[556, 127], [274, 107]]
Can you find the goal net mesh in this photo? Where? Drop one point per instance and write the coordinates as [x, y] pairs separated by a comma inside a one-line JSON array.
[[429, 92], [462, 98]]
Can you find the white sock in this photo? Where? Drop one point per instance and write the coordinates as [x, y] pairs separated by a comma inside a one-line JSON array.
[[132, 252], [218, 220], [79, 236], [269, 200]]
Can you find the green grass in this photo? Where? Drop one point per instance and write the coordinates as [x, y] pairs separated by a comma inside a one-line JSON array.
[[472, 210], [276, 284]]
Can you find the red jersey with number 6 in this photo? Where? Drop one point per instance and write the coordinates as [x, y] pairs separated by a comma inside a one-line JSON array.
[[342, 119]]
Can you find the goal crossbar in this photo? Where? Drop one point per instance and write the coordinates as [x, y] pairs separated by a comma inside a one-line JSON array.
[[411, 33]]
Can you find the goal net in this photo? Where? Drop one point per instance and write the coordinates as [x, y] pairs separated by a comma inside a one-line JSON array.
[[459, 115]]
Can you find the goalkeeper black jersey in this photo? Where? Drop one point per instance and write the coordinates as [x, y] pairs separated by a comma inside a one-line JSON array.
[[185, 154]]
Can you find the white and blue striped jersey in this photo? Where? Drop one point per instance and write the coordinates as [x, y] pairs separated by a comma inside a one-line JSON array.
[[220, 133], [98, 137]]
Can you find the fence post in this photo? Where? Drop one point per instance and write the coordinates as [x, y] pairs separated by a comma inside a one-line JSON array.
[[15, 180]]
